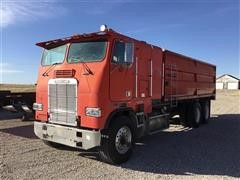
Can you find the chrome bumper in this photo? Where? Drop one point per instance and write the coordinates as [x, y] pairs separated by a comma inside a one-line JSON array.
[[79, 138]]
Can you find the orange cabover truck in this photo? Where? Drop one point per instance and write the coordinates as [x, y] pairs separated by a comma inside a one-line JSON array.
[[107, 90]]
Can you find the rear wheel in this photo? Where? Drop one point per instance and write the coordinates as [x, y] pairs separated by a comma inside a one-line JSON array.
[[117, 147], [205, 111], [194, 115]]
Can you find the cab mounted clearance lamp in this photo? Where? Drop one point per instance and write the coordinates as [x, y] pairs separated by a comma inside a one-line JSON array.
[[94, 112], [103, 28]]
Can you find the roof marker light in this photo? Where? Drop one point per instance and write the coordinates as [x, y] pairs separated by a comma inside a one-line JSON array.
[[103, 27]]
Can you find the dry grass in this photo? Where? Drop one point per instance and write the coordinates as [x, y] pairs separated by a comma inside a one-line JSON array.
[[18, 87], [228, 93]]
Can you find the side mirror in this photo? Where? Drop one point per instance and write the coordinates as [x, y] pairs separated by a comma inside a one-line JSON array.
[[115, 59]]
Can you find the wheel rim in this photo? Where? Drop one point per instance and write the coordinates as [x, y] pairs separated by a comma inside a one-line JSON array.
[[123, 140], [197, 115]]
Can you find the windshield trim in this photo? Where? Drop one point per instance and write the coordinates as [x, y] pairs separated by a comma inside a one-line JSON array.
[[65, 55], [92, 61]]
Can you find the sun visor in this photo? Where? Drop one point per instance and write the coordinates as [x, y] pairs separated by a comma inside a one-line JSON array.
[[53, 43], [75, 38]]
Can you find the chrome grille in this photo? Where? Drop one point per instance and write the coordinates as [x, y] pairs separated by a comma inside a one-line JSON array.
[[62, 98]]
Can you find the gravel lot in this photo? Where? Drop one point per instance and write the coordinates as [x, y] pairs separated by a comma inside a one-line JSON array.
[[209, 152]]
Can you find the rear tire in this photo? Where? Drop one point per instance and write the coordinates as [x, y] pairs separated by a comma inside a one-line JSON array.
[[194, 115], [205, 111], [117, 142], [183, 116]]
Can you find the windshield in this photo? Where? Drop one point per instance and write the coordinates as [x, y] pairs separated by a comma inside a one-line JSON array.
[[54, 55], [87, 51]]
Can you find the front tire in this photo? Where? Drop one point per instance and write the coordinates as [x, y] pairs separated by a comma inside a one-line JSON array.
[[117, 142]]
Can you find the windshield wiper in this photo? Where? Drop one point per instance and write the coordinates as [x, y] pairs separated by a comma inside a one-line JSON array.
[[49, 69], [89, 71]]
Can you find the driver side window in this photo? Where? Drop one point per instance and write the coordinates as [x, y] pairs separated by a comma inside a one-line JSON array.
[[122, 53]]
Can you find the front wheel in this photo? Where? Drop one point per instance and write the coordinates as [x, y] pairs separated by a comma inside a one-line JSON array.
[[117, 143]]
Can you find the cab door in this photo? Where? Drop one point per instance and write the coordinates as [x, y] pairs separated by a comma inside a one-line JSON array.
[[144, 74], [122, 71]]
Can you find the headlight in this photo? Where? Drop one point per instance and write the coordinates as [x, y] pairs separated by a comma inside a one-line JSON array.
[[37, 107], [95, 112]]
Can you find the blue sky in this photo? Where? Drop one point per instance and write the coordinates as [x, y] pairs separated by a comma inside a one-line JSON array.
[[203, 29]]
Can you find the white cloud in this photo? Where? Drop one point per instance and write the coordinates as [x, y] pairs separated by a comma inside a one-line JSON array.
[[6, 68], [14, 12]]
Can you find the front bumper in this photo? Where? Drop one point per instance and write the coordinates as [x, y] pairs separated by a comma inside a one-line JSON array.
[[74, 137]]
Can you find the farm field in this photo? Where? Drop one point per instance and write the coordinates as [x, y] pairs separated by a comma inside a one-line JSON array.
[[208, 152], [17, 87]]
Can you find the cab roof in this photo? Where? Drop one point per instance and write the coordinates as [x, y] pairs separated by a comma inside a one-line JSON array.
[[81, 37]]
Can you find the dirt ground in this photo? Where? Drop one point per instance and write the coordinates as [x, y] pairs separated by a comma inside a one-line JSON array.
[[209, 152]]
